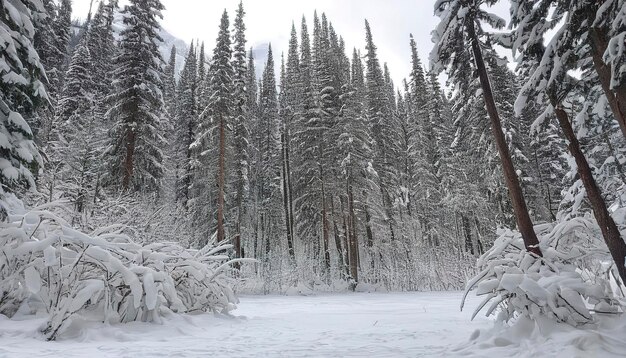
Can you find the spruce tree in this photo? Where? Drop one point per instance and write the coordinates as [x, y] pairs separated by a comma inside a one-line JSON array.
[[550, 83], [135, 152], [290, 108], [20, 92], [169, 84], [77, 132], [212, 144], [185, 124], [240, 161], [379, 116], [461, 22]]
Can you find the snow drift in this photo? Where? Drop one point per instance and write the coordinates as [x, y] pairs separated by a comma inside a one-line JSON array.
[[46, 267]]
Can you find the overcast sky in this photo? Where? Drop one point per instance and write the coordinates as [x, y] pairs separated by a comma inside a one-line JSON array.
[[268, 21]]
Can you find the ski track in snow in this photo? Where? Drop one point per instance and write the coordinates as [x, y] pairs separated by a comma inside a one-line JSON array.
[[339, 325]]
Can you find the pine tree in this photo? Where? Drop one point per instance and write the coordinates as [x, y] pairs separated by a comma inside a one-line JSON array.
[[211, 142], [20, 92], [380, 118], [356, 152], [551, 83], [269, 157], [240, 163], [201, 64], [74, 149], [251, 119], [460, 21], [424, 117], [136, 139], [52, 34], [102, 49], [186, 124], [169, 84], [290, 109]]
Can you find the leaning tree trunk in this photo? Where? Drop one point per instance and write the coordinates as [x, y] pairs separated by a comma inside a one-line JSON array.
[[520, 210], [616, 97], [610, 232]]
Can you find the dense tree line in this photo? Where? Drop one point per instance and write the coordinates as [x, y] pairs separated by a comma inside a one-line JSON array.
[[327, 173]]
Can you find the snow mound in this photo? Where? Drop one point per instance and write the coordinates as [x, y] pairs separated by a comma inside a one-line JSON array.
[[48, 268], [569, 284], [543, 337]]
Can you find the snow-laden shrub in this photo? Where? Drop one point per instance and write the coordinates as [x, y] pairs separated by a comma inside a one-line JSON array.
[[46, 266], [569, 284]]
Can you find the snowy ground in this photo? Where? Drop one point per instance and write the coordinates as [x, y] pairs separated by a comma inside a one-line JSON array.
[[349, 325]]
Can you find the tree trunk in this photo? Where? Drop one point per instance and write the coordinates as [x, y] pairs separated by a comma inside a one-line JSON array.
[[285, 178], [467, 233], [187, 167], [130, 157], [325, 235], [520, 210], [340, 251], [289, 185], [598, 40], [610, 232], [220, 182], [346, 237], [353, 250]]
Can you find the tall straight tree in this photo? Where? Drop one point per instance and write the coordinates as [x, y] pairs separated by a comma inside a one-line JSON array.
[[380, 117], [269, 159], [461, 22], [136, 139], [241, 136], [185, 124], [290, 109], [77, 130], [217, 115]]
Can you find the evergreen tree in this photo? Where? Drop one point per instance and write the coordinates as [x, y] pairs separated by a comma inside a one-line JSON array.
[[461, 22], [201, 64], [102, 49], [550, 83], [380, 118], [289, 111], [169, 85], [240, 160], [186, 124], [74, 150], [20, 92], [136, 138], [211, 142]]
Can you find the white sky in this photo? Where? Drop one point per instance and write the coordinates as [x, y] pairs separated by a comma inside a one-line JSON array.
[[268, 21]]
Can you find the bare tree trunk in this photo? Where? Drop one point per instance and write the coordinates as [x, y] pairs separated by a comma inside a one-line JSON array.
[[467, 233], [285, 178], [353, 251], [610, 232], [598, 40], [220, 181], [340, 257], [187, 166], [345, 216], [520, 209], [325, 235], [129, 159]]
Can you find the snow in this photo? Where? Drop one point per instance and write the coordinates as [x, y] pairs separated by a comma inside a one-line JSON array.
[[342, 325]]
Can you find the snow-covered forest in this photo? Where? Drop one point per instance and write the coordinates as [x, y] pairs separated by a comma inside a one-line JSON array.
[[143, 179]]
